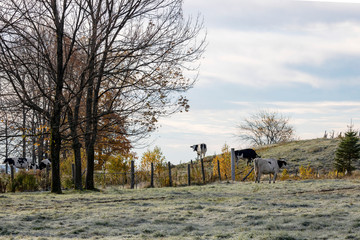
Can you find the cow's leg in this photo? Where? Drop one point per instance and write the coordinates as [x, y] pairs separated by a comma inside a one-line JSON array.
[[274, 177], [258, 177], [269, 177]]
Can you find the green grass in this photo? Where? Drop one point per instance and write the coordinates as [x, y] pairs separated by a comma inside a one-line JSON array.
[[311, 209]]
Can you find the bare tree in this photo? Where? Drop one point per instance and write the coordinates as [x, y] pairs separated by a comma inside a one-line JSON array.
[[138, 61], [93, 59], [266, 127], [34, 53]]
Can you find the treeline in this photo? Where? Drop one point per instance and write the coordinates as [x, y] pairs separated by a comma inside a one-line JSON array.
[[90, 79]]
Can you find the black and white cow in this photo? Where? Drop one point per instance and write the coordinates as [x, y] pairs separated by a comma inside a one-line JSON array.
[[200, 149], [44, 164], [248, 154], [267, 166], [22, 163]]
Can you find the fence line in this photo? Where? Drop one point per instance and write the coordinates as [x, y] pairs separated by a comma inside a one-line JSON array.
[[194, 175]]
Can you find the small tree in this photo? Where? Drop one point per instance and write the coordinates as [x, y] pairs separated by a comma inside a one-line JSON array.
[[156, 157], [265, 128], [347, 152]]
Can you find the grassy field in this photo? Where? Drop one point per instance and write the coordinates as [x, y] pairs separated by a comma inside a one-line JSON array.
[[311, 209]]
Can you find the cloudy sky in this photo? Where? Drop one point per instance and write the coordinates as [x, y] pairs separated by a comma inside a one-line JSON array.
[[299, 58]]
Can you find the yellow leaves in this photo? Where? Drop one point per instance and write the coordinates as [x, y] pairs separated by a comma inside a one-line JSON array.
[[224, 161], [119, 163], [156, 157], [306, 173], [284, 175]]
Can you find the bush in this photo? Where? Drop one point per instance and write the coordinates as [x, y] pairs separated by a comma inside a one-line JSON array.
[[24, 181], [307, 173], [284, 175], [4, 182]]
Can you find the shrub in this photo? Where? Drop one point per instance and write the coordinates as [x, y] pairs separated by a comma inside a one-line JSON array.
[[4, 182], [225, 163], [284, 175], [307, 173], [24, 181]]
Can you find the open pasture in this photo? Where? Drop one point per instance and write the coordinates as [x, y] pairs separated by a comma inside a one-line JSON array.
[[311, 209]]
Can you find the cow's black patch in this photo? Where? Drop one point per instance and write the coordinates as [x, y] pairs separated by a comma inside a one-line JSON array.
[[10, 161], [248, 154]]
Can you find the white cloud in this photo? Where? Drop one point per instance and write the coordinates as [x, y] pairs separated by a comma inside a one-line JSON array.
[[265, 58]]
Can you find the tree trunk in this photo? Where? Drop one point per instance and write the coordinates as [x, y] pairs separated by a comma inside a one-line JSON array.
[[77, 150], [55, 148], [74, 122], [77, 153], [90, 153], [55, 121]]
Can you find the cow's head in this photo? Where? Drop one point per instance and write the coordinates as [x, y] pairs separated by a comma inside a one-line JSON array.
[[281, 162]]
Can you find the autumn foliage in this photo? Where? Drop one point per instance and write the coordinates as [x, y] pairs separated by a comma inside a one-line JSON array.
[[224, 161]]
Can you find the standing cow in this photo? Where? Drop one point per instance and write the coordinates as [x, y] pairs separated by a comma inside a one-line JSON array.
[[267, 166], [248, 154], [200, 149], [22, 163]]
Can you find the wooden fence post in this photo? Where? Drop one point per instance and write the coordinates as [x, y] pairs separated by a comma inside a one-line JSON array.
[[170, 180], [233, 164], [152, 175], [218, 162], [189, 175], [132, 175], [203, 170]]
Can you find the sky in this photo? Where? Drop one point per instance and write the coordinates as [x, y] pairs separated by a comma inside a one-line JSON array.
[[298, 58]]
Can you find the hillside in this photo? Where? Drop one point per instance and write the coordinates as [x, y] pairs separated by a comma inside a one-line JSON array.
[[319, 153]]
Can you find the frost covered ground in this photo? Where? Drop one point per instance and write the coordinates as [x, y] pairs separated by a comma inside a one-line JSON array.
[[312, 209]]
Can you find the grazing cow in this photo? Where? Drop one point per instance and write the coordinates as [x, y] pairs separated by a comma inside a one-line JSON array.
[[200, 149], [44, 163], [18, 162], [248, 154], [267, 166]]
